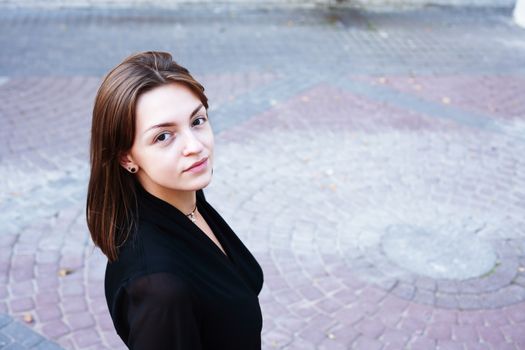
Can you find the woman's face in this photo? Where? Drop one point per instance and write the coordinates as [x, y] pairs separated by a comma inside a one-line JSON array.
[[172, 133]]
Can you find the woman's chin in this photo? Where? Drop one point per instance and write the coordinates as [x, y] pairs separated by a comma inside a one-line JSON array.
[[201, 183]]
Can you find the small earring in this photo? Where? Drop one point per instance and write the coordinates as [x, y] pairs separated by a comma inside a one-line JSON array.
[[133, 170]]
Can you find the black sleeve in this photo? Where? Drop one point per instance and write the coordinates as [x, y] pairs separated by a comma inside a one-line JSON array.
[[160, 312]]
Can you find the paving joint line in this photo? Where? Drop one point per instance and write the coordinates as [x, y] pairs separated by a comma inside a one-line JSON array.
[[426, 108]]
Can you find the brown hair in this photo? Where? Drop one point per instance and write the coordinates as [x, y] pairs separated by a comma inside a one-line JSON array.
[[111, 200]]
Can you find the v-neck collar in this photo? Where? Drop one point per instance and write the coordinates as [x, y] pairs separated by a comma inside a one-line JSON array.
[[158, 206]]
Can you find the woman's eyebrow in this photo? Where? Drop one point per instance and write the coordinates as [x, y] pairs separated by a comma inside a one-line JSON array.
[[163, 125]]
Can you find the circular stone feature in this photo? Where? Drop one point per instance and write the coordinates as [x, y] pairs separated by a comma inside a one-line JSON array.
[[447, 255]]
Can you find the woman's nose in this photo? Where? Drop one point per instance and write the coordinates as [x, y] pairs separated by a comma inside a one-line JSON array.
[[192, 144]]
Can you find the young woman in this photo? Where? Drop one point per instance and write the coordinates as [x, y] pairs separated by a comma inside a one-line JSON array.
[[177, 276]]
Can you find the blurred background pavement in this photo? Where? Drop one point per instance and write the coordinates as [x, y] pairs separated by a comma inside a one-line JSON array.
[[370, 156]]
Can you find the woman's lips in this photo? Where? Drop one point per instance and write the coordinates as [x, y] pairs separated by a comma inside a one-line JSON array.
[[199, 166]]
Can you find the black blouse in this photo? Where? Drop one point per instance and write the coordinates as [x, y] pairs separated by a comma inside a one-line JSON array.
[[173, 288]]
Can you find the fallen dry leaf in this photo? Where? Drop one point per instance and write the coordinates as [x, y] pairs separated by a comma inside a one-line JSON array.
[[64, 272], [28, 318]]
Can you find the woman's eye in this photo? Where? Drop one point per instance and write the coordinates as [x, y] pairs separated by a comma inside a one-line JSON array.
[[162, 137], [202, 121]]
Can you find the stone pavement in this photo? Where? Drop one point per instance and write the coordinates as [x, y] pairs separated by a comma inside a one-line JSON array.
[[371, 161], [377, 4]]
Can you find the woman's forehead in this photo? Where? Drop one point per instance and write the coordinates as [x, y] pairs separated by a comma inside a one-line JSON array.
[[166, 103]]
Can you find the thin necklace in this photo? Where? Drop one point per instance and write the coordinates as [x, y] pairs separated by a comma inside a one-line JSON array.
[[192, 214]]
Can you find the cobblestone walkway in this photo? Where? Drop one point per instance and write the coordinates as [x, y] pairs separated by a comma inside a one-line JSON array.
[[372, 162]]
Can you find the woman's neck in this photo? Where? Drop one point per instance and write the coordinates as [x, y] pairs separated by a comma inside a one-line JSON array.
[[184, 201]]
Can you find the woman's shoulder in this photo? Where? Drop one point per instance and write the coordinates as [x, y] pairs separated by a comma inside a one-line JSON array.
[[138, 246], [132, 254], [148, 248]]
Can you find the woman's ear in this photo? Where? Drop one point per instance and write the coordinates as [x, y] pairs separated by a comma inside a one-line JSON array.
[[126, 161]]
